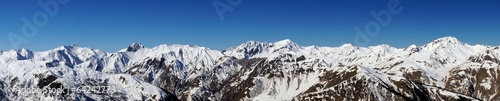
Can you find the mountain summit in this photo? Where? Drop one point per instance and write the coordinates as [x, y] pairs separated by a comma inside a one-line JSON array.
[[286, 43], [134, 47], [262, 49], [443, 42]]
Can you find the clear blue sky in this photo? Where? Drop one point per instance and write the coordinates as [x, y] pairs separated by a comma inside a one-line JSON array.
[[111, 25]]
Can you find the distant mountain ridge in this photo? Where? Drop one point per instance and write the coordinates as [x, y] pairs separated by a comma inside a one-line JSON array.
[[444, 69]]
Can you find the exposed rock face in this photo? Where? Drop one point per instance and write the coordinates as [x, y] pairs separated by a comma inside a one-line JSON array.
[[477, 77]]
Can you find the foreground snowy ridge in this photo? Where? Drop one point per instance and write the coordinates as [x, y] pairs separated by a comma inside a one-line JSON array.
[[445, 69]]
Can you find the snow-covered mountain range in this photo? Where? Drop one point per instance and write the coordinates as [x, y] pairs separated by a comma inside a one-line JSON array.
[[445, 69]]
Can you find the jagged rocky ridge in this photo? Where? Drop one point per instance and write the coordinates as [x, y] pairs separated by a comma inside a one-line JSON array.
[[445, 69]]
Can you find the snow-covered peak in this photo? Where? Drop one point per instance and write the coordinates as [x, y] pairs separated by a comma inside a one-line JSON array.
[[383, 46], [413, 48], [347, 45], [74, 49], [246, 49], [176, 47], [70, 47], [262, 49], [134, 47], [252, 44], [446, 52], [443, 42], [24, 54], [448, 39], [175, 51], [24, 50], [449, 46], [72, 53], [286, 42]]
